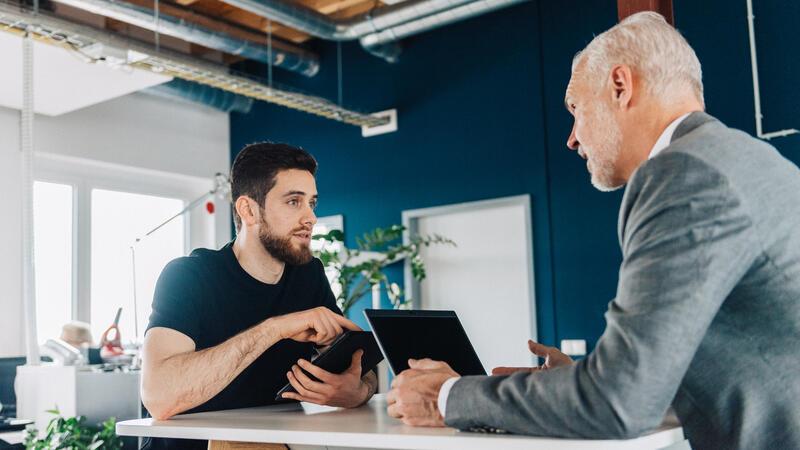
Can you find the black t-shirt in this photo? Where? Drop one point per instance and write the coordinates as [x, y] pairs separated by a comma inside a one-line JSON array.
[[210, 298]]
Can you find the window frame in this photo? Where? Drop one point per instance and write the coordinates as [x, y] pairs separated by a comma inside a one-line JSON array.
[[87, 175]]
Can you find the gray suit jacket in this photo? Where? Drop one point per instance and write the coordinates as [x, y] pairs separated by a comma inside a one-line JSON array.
[[707, 313]]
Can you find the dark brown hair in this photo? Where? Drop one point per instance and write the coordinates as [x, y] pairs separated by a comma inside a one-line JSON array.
[[254, 170]]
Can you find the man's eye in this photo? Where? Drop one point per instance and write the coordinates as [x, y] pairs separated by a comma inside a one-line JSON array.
[[313, 205], [293, 202]]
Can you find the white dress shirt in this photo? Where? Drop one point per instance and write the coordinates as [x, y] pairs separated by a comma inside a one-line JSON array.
[[662, 143], [666, 136]]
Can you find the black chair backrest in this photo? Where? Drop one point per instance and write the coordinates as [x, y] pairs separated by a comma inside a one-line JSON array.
[[8, 372]]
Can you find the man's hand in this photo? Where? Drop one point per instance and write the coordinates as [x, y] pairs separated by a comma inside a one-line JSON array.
[[318, 325], [346, 390], [415, 393], [552, 358]]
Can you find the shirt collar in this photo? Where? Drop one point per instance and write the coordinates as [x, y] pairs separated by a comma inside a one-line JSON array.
[[666, 136]]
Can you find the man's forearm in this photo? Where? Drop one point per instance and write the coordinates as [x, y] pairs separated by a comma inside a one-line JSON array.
[[186, 380]]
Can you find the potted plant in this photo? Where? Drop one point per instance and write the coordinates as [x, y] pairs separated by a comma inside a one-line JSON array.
[[73, 434], [357, 270]]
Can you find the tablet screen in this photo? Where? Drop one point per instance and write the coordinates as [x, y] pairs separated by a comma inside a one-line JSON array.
[[424, 334]]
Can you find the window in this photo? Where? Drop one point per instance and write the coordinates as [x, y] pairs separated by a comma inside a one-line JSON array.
[[52, 240], [87, 216], [118, 219]]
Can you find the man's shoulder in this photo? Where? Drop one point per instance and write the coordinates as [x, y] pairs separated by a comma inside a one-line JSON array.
[[673, 173], [197, 264], [713, 146], [207, 254], [714, 156], [679, 181], [706, 154]]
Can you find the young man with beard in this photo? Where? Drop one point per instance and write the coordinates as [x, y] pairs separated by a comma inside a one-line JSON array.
[[230, 327], [707, 313]]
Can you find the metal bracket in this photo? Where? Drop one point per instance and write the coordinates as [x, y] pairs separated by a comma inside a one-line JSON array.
[[390, 127]]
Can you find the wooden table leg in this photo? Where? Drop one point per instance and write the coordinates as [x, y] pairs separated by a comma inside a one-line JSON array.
[[232, 445]]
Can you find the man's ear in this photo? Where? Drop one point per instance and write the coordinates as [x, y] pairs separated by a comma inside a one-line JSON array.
[[247, 209], [621, 79]]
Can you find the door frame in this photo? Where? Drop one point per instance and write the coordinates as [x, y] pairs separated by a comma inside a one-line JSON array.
[[411, 219]]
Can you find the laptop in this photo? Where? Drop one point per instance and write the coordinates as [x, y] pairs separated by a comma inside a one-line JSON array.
[[418, 334]]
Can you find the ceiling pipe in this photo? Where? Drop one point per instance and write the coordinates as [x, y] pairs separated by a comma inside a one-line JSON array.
[[379, 43], [284, 55], [377, 30], [300, 17], [98, 46]]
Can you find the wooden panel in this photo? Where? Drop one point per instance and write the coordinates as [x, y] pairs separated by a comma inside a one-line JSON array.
[[243, 24], [354, 10], [332, 6], [335, 8], [261, 24], [626, 8]]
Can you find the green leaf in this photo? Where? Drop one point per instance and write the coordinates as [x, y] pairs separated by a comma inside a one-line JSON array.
[[71, 433], [356, 280]]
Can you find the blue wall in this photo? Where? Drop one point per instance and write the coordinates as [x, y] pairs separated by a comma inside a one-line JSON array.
[[481, 116]]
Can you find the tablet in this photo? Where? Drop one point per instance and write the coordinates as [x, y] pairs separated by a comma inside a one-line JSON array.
[[417, 334], [339, 355]]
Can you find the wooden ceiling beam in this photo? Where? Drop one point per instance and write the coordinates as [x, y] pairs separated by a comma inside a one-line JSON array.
[[354, 10], [335, 8], [626, 8], [214, 8], [262, 24], [332, 6]]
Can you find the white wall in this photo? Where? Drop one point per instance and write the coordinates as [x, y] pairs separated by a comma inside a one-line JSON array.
[[487, 278], [11, 338], [139, 131]]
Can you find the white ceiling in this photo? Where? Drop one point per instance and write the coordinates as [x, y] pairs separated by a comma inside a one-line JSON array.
[[62, 81]]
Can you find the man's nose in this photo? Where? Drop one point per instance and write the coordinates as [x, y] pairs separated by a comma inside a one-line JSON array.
[[309, 219], [572, 140]]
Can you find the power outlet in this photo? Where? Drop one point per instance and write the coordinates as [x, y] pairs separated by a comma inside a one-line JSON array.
[[573, 347]]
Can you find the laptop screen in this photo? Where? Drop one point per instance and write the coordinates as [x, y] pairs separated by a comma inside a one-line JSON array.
[[424, 334]]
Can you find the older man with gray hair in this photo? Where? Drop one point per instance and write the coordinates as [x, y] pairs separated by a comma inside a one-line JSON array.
[[707, 313]]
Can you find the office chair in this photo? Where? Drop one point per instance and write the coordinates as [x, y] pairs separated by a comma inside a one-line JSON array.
[[8, 373]]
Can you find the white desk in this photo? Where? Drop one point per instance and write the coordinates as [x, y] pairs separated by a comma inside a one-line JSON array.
[[366, 427], [13, 437]]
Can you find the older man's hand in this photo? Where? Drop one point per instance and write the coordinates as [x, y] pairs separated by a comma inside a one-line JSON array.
[[415, 393], [552, 358]]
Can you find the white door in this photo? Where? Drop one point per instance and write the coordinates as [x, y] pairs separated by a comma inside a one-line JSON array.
[[487, 279]]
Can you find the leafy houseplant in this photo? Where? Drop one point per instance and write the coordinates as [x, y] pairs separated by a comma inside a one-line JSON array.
[[358, 269], [73, 434]]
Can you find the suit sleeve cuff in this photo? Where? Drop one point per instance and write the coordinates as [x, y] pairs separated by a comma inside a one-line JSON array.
[[444, 391]]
